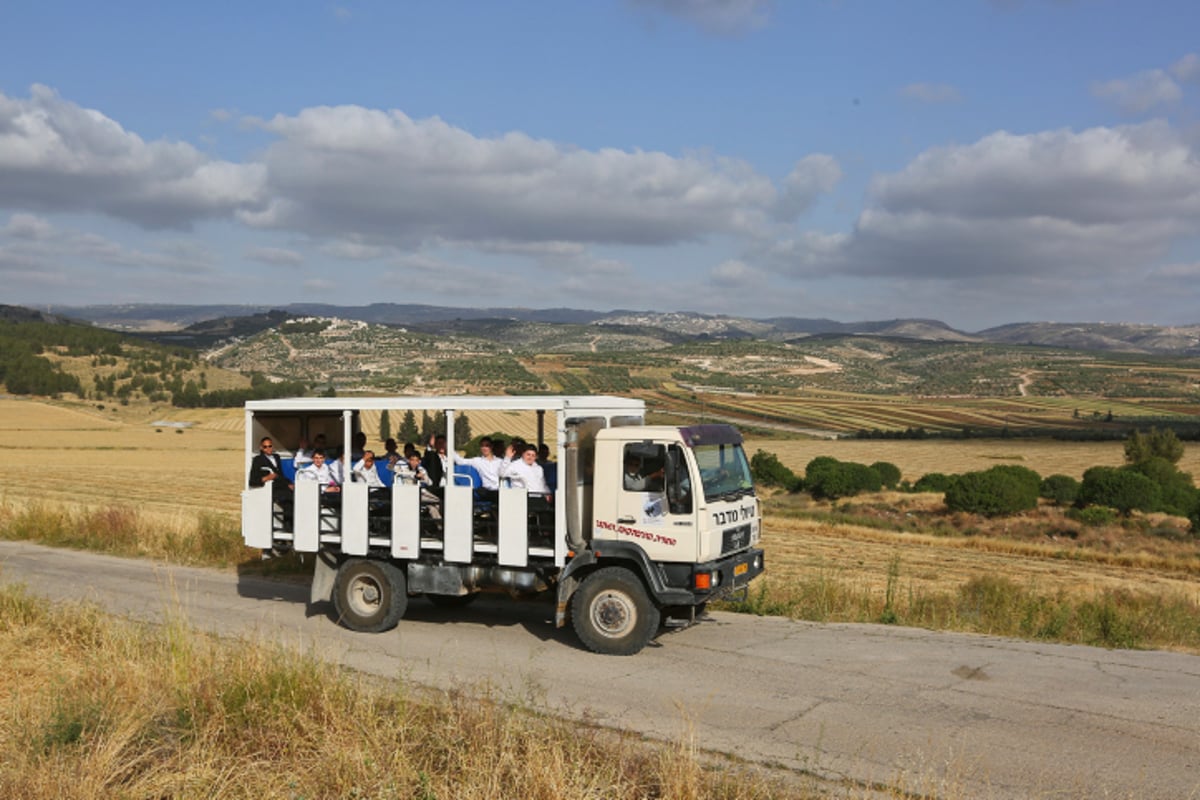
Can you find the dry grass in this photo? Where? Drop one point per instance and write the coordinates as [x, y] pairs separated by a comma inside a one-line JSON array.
[[916, 458], [97, 707]]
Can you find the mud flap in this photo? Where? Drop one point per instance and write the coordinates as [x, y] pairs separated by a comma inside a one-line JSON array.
[[324, 575]]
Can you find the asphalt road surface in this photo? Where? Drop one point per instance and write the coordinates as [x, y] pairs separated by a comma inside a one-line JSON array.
[[938, 714]]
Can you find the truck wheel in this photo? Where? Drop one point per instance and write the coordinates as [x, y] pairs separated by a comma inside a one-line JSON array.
[[370, 596], [612, 613]]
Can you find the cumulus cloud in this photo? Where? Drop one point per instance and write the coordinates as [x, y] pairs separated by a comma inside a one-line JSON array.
[[811, 177], [380, 176], [57, 156], [276, 256], [931, 93], [734, 274], [1187, 69], [718, 17], [1139, 93], [1093, 204]]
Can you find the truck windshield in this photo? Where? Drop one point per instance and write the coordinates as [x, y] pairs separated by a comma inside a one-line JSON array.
[[724, 471]]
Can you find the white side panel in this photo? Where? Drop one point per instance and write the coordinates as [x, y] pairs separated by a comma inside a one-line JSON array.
[[256, 517], [308, 506], [354, 519], [514, 528], [406, 520], [456, 511], [560, 527]]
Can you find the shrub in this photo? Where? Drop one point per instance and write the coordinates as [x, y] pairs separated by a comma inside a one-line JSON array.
[[933, 482], [1062, 489], [768, 471], [1024, 474], [1178, 492], [844, 479], [994, 492], [888, 473], [1122, 489], [815, 468]]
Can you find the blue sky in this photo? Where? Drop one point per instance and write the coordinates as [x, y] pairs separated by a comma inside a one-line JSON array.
[[976, 161]]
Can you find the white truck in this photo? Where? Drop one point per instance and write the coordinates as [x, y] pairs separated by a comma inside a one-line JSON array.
[[623, 550]]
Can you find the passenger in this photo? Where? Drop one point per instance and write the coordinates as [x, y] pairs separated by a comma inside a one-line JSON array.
[[320, 472], [365, 470], [358, 446], [390, 455], [303, 453], [523, 472], [413, 473], [436, 462], [486, 464], [637, 481], [266, 470]]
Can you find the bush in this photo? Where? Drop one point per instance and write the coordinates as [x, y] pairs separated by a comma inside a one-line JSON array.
[[1062, 489], [888, 473], [933, 482], [1178, 492], [1024, 474], [994, 492], [817, 467], [843, 479], [1122, 489], [768, 471]]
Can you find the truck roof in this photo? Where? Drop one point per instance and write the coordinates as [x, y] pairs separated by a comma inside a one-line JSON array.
[[582, 405]]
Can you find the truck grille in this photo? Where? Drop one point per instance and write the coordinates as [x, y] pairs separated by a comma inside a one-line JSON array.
[[735, 538]]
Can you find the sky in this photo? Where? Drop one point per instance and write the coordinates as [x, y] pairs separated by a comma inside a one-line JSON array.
[[978, 162]]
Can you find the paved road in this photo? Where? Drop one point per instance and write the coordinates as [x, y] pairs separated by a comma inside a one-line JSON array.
[[942, 714]]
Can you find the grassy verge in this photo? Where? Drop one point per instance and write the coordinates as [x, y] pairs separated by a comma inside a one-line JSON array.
[[991, 603], [988, 604], [97, 706]]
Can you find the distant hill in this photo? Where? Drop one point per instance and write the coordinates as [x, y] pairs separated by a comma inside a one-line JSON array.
[[1118, 337], [202, 325]]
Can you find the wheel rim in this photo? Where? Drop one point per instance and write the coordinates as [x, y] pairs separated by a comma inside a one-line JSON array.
[[365, 595], [613, 614]]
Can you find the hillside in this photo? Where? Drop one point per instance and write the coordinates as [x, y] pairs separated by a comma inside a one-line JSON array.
[[190, 322]]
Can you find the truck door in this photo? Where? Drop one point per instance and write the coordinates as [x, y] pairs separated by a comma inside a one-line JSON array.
[[654, 506]]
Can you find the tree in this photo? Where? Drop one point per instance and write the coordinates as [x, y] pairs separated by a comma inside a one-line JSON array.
[[385, 426], [993, 492], [843, 479], [1156, 444], [1062, 489], [769, 471], [1176, 488], [888, 473], [933, 482], [408, 428], [462, 428], [1122, 489]]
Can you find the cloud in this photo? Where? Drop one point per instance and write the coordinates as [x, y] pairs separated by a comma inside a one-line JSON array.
[[735, 274], [1141, 92], [381, 177], [1093, 205], [276, 256], [717, 17], [931, 93], [1187, 69], [811, 177], [714, 17], [56, 156], [27, 226]]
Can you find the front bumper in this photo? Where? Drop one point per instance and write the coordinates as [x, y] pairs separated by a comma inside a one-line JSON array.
[[729, 574]]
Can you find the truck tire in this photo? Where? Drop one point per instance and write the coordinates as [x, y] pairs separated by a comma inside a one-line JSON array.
[[370, 596], [612, 613]]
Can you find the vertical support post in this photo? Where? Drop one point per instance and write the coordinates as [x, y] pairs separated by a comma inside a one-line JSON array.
[[406, 520]]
